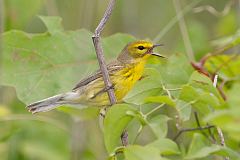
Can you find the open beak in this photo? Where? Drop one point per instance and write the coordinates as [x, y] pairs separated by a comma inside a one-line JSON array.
[[156, 45], [157, 54]]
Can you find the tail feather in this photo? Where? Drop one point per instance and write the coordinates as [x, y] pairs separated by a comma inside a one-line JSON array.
[[52, 102]]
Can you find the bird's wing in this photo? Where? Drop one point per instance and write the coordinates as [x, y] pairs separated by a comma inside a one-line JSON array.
[[112, 68]]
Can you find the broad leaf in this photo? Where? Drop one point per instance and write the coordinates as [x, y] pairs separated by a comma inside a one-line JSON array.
[[53, 24], [226, 66], [184, 109], [228, 120], [176, 71], [204, 101], [42, 65], [200, 81], [115, 122], [134, 152], [200, 148], [159, 125], [165, 146]]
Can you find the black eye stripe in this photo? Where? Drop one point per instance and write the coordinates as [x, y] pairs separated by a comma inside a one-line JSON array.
[[141, 47]]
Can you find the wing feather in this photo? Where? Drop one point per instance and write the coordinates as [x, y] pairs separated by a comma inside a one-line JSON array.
[[112, 68]]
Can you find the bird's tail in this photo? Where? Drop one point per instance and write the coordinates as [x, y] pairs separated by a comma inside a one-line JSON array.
[[53, 102]]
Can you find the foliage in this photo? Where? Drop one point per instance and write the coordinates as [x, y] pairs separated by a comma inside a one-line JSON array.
[[43, 64]]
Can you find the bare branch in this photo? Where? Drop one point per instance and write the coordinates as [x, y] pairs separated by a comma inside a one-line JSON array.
[[99, 51], [101, 60]]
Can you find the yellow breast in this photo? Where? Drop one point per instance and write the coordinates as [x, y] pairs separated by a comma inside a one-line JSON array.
[[125, 79]]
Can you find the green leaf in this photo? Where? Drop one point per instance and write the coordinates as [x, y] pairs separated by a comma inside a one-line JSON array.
[[159, 126], [184, 109], [199, 148], [42, 65], [135, 152], [227, 66], [165, 146], [160, 99], [188, 93], [198, 142], [228, 120], [115, 122], [200, 81], [53, 24], [38, 65], [176, 71], [204, 101]]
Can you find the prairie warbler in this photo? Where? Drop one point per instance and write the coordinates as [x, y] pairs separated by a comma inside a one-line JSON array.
[[124, 72]]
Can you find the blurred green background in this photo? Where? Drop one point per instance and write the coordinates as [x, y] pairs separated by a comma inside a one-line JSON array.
[[59, 136]]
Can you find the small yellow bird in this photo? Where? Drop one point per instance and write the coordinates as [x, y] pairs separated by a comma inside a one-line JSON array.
[[124, 73]]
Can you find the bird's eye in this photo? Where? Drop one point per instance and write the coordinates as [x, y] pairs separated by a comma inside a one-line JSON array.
[[141, 47]]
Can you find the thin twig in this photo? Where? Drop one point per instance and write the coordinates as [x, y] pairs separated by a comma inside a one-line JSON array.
[[183, 28], [191, 129], [211, 138], [101, 60], [214, 141], [199, 128]]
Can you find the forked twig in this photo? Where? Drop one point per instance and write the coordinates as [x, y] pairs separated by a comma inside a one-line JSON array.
[[192, 129], [99, 51], [199, 128], [101, 60], [211, 138]]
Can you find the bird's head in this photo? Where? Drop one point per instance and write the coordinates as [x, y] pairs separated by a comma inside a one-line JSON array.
[[138, 50]]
